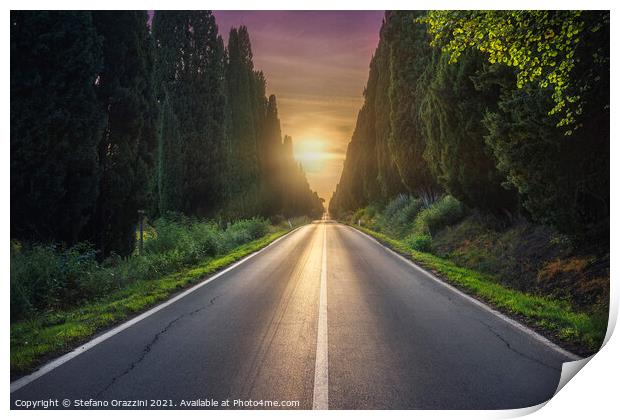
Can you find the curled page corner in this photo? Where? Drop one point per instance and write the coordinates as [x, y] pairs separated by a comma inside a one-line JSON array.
[[520, 412], [570, 369]]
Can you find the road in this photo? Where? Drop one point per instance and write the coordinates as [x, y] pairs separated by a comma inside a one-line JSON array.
[[324, 318]]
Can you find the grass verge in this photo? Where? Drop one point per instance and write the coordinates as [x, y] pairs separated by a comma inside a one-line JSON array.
[[45, 336], [581, 332]]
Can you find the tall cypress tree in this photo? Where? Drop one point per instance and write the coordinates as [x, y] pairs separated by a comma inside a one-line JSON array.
[[56, 123], [381, 178], [126, 149], [451, 113], [244, 88], [271, 160], [190, 65], [411, 67]]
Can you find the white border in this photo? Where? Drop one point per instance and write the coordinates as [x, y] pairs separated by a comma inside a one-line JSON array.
[[592, 394]]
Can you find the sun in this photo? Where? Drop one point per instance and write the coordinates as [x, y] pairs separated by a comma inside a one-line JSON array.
[[310, 153]]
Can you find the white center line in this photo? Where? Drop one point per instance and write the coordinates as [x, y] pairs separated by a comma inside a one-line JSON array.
[[320, 399]]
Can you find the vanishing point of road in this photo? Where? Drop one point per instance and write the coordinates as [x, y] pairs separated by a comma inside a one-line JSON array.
[[325, 317]]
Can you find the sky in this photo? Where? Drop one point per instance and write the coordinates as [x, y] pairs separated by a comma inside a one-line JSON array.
[[316, 63]]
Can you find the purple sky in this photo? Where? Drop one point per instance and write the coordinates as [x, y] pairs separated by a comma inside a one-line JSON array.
[[316, 63]]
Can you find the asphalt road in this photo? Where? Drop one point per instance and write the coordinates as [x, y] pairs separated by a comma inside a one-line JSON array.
[[325, 317]]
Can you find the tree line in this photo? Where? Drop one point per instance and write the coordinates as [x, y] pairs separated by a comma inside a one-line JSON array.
[[112, 113], [506, 111]]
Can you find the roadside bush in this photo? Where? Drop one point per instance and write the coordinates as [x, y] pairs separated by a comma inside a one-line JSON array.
[[46, 277], [246, 230], [399, 214], [298, 221], [357, 217], [278, 219], [420, 243], [169, 235], [206, 239], [444, 212], [367, 216]]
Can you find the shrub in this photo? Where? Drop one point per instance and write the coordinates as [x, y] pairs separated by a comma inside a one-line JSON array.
[[35, 278], [395, 205], [48, 276], [420, 243], [244, 231], [358, 216], [445, 212], [169, 235], [206, 238], [278, 219], [299, 221], [367, 216], [399, 214]]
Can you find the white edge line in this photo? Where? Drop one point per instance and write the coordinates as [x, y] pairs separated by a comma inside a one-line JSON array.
[[320, 396], [48, 367], [477, 302]]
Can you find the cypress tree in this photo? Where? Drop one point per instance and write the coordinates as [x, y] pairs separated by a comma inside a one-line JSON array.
[[125, 91], [56, 123], [411, 67], [271, 156], [383, 179], [190, 63], [452, 112], [244, 88]]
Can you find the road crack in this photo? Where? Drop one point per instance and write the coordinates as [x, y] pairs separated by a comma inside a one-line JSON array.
[[511, 348], [149, 346]]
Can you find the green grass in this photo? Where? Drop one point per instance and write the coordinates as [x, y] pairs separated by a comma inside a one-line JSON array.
[[584, 331], [44, 336]]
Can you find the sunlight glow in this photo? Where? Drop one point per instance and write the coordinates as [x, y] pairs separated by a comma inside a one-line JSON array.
[[310, 153]]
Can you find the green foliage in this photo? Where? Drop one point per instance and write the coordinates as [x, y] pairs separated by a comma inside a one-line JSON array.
[[399, 214], [127, 119], [561, 182], [410, 69], [52, 333], [370, 172], [482, 130], [406, 217], [221, 151], [246, 93], [56, 123], [540, 44], [421, 243], [556, 316], [245, 231], [444, 212], [190, 62], [46, 276], [50, 277], [126, 150], [452, 113]]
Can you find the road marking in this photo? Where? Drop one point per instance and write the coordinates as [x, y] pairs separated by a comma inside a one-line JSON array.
[[320, 399], [533, 334], [20, 383]]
